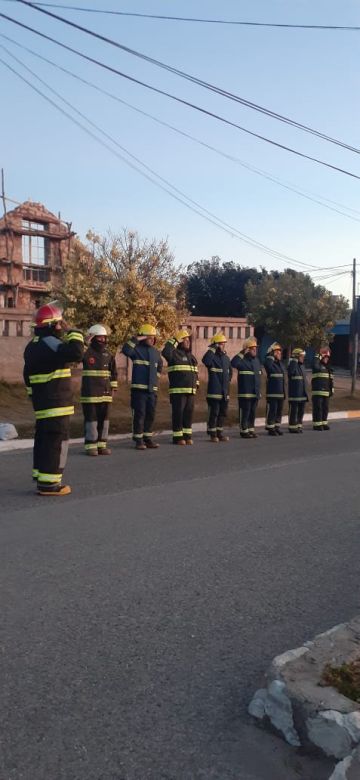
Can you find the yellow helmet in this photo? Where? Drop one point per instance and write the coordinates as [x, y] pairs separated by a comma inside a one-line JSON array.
[[297, 352], [147, 330], [219, 338], [274, 347], [180, 335], [249, 343]]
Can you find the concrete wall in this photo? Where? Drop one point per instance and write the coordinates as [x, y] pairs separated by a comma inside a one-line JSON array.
[[11, 358]]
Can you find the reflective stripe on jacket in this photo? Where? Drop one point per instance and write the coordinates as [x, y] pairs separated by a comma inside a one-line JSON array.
[[46, 372], [249, 373], [99, 375], [322, 380], [182, 368], [147, 365], [275, 372], [219, 369], [297, 381]]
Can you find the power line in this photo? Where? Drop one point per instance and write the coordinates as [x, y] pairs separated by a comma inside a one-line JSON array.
[[177, 99], [319, 199], [264, 174], [234, 232], [167, 18], [194, 79]]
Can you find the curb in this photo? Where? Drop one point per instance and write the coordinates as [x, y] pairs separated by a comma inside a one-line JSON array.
[[25, 444]]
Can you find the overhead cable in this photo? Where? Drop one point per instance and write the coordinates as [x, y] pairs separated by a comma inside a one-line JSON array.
[[179, 100], [234, 232], [313, 197], [194, 79], [232, 22]]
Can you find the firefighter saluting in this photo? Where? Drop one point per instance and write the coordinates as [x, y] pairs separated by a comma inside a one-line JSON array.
[[99, 381], [147, 367], [219, 372], [322, 388], [248, 367], [275, 389], [297, 390], [48, 380], [183, 384]]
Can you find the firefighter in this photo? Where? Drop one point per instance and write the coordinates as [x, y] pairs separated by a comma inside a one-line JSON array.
[[249, 371], [322, 388], [297, 390], [183, 384], [48, 380], [219, 377], [275, 389], [99, 381], [147, 367]]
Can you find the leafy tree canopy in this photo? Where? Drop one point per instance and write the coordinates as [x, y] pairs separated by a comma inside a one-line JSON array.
[[290, 307], [120, 280], [213, 288]]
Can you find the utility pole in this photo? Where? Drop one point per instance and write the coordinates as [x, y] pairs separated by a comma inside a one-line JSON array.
[[355, 336]]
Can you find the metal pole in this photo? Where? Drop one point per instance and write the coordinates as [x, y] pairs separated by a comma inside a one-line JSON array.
[[355, 339]]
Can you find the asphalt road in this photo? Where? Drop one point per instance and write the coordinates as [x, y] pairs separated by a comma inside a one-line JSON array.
[[139, 613]]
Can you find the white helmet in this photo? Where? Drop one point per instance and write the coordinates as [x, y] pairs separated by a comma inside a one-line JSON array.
[[96, 330]]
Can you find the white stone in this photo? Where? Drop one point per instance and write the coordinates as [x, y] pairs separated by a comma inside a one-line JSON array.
[[7, 432], [340, 771], [352, 725], [279, 709], [256, 707], [328, 731], [291, 655]]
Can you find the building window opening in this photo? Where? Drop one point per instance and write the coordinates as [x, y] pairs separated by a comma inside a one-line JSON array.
[[206, 333], [247, 331], [10, 302], [231, 333], [34, 246]]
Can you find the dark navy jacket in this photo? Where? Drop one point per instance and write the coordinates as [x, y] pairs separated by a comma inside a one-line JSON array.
[[182, 368], [322, 381], [219, 374], [147, 365], [297, 381], [249, 372], [47, 373], [99, 375], [275, 371]]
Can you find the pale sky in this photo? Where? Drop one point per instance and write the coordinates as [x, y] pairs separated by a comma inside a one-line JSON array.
[[308, 75]]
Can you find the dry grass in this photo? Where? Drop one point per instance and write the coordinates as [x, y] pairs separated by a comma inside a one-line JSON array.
[[15, 407], [345, 678]]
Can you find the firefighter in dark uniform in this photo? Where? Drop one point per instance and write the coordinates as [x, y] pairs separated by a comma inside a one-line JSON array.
[[275, 389], [48, 380], [297, 390], [219, 369], [147, 367], [183, 384], [322, 388], [249, 372], [99, 381]]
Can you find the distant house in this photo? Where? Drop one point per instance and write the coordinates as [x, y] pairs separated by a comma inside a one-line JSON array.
[[34, 247], [341, 345]]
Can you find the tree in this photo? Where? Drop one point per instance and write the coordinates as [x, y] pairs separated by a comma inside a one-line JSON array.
[[213, 288], [122, 281], [291, 308]]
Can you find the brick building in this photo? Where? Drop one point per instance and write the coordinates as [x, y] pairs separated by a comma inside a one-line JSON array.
[[34, 247]]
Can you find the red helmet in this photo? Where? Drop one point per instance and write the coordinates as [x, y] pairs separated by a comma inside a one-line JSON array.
[[48, 315]]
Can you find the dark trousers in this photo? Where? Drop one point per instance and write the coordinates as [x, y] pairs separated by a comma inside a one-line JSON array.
[[143, 405], [182, 407], [247, 413], [274, 412], [320, 405], [217, 413], [51, 444], [96, 425], [296, 414]]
